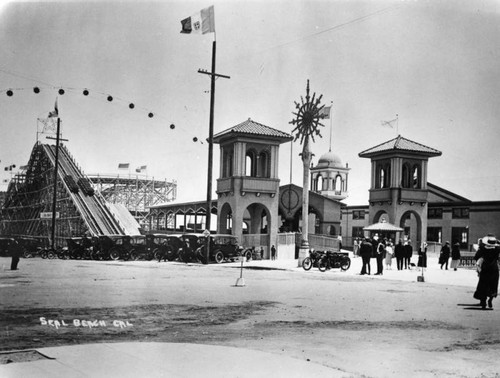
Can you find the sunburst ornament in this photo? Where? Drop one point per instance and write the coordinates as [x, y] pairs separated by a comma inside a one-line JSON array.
[[308, 116]]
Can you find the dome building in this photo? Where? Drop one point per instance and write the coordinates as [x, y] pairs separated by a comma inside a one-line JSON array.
[[329, 177]]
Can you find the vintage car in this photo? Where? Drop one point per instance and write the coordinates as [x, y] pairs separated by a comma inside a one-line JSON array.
[[222, 247], [191, 243]]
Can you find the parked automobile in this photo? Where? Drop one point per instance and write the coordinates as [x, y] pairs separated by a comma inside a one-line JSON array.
[[138, 248], [116, 247], [222, 247], [191, 242], [174, 245], [32, 246]]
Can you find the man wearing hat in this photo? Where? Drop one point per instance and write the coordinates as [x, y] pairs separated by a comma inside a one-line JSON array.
[[444, 255], [487, 261]]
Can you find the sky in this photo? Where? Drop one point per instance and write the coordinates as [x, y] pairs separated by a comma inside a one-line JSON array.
[[433, 63]]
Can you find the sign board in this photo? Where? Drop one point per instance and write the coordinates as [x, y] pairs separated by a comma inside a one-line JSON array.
[[206, 233], [48, 215]]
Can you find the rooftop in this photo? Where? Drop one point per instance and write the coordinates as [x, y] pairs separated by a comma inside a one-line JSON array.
[[400, 144], [250, 127]]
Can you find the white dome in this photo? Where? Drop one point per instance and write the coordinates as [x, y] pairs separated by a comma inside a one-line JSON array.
[[330, 160]]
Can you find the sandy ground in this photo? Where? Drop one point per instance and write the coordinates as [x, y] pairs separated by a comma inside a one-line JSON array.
[[366, 326]]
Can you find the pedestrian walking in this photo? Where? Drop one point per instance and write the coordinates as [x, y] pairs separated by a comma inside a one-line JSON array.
[[444, 255], [389, 253], [487, 261], [399, 252], [365, 251], [455, 256], [15, 251], [408, 254], [380, 257], [422, 256], [273, 252], [355, 248]]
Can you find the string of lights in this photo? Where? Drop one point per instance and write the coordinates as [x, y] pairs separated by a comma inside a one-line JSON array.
[[62, 90]]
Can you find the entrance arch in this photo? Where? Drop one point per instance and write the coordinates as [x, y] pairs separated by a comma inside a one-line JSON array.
[[257, 218], [411, 223], [225, 219]]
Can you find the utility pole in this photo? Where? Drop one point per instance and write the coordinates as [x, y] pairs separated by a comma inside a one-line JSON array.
[[54, 198], [213, 76]]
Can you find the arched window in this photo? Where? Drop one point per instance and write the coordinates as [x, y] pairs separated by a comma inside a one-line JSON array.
[[264, 165], [416, 177], [319, 183], [405, 179], [338, 184], [227, 168], [251, 164]]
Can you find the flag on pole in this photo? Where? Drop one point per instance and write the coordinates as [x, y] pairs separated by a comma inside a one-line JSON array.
[[390, 123], [123, 165], [325, 112], [202, 22], [141, 168], [55, 112]]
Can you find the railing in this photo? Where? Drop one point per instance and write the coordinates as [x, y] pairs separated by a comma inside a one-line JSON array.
[[323, 242]]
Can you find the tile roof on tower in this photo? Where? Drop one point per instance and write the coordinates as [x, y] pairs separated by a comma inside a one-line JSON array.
[[400, 144], [252, 128]]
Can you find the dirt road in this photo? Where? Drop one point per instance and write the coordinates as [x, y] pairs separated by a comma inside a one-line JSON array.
[[364, 326]]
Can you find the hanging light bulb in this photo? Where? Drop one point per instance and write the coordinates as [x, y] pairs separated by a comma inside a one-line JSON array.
[[36, 90], [150, 115], [172, 126], [85, 92], [131, 105], [195, 139], [10, 93], [61, 91], [110, 98]]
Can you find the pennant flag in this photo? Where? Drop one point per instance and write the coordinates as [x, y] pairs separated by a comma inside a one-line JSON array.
[[55, 112], [389, 123], [202, 22], [325, 112], [123, 165], [141, 168]]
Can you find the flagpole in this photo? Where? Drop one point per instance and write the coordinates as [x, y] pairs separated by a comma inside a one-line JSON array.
[[397, 124], [331, 127]]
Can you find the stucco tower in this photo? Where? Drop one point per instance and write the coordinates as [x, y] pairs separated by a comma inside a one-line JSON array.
[[248, 184], [399, 185]]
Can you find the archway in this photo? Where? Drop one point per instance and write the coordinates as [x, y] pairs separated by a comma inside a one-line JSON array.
[[225, 219], [411, 223], [257, 218]]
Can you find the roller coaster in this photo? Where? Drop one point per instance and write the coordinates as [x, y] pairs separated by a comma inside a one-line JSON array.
[[80, 208]]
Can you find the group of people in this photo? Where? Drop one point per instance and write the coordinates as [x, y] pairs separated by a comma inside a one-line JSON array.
[[384, 250], [446, 252], [487, 261]]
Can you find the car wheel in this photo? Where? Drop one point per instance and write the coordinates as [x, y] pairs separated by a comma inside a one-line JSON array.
[[157, 254], [133, 255], [219, 257], [114, 254]]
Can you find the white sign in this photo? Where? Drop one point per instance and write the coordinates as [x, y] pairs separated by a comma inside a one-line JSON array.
[[206, 233], [48, 215]]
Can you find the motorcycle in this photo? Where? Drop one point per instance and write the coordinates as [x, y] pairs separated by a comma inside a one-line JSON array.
[[312, 260], [334, 260]]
